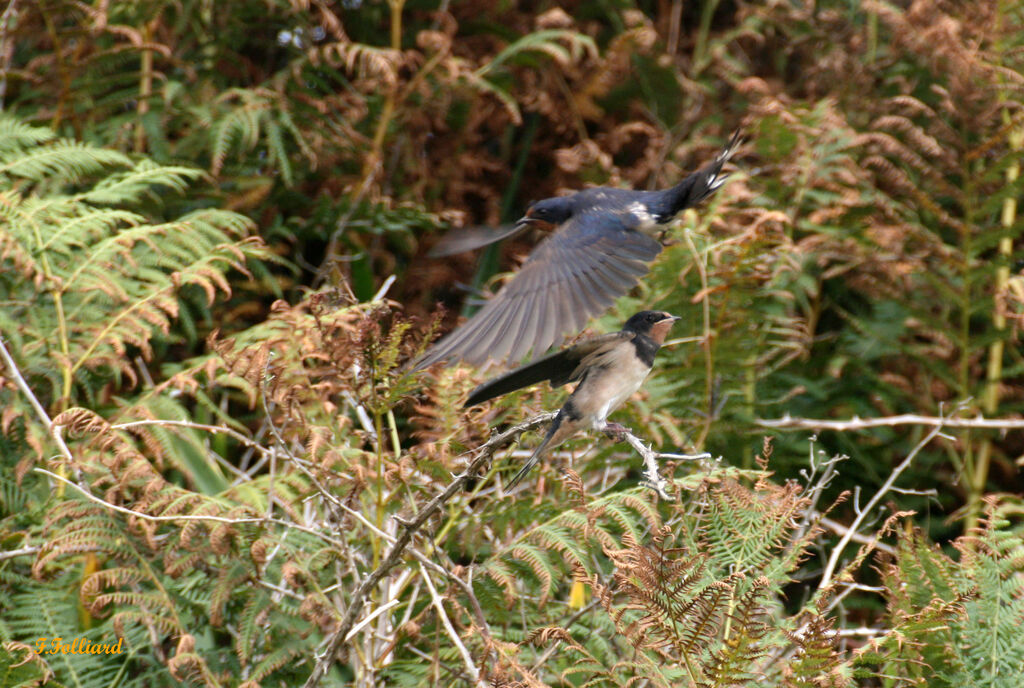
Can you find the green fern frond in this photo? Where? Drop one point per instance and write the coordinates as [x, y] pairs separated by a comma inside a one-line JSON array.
[[15, 135], [576, 534], [535, 560], [48, 610], [65, 162], [733, 662], [816, 658], [140, 184], [546, 42]]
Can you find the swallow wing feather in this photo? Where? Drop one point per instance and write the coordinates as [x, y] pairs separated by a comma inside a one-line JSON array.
[[471, 238], [571, 276]]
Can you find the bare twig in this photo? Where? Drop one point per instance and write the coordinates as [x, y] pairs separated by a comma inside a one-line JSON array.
[[252, 444], [839, 529], [52, 430], [12, 553], [371, 616], [190, 517], [467, 659], [837, 551], [478, 613], [335, 643], [857, 423], [651, 477]]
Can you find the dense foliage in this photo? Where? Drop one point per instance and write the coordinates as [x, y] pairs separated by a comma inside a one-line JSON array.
[[215, 221]]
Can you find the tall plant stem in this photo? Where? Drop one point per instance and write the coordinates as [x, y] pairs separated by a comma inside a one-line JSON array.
[[972, 464], [388, 111], [994, 370], [701, 49], [709, 367], [145, 89]]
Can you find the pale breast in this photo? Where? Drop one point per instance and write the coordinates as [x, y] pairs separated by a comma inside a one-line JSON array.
[[614, 378]]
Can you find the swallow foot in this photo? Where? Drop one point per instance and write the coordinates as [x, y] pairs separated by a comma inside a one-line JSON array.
[[615, 431]]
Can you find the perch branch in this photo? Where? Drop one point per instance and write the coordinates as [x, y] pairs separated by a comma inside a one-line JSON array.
[[189, 517], [651, 477]]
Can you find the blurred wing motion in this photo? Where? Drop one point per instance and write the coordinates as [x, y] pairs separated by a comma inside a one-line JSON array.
[[470, 238], [572, 275], [597, 253]]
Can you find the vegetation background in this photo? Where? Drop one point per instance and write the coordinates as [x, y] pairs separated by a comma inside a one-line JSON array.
[[214, 226]]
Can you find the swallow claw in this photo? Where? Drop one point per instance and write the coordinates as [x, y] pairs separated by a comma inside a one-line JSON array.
[[615, 431]]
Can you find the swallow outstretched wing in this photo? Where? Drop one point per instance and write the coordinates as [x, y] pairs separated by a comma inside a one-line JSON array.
[[572, 275]]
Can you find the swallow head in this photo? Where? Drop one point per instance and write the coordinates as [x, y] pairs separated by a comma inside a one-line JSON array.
[[553, 211], [654, 324]]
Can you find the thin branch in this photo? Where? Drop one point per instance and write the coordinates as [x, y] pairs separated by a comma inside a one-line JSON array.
[[335, 643], [252, 444], [857, 423], [371, 616], [51, 429], [467, 659], [651, 477], [837, 552], [147, 517], [190, 517], [12, 553], [839, 529], [466, 586]]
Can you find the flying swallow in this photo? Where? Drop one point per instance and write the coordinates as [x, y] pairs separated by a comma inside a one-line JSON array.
[[600, 249], [609, 368]]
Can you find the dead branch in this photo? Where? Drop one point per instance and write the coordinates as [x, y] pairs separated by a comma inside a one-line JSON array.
[[857, 423]]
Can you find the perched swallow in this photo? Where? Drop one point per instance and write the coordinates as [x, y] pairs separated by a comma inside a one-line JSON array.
[[598, 252], [609, 368]]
